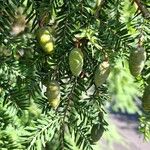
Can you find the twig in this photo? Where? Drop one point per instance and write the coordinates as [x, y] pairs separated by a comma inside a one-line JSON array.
[[145, 12], [98, 7]]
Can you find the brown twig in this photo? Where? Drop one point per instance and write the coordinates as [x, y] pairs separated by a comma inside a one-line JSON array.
[[81, 42], [145, 12], [98, 7]]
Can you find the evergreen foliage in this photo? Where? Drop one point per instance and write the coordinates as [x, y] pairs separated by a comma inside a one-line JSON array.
[[104, 30]]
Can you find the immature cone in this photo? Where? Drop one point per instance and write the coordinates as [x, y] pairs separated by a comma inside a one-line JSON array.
[[53, 94], [146, 99], [45, 39], [18, 25], [96, 132], [136, 61], [101, 73], [76, 61]]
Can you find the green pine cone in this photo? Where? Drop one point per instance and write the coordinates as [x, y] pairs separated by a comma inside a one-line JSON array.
[[45, 39], [53, 94], [136, 61], [76, 61], [96, 132], [54, 102], [101, 73], [146, 99]]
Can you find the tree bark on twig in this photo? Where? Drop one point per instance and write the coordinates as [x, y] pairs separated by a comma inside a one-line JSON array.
[[145, 12], [98, 6]]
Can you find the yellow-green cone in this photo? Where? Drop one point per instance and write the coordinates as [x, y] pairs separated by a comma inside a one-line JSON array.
[[54, 102], [53, 94], [146, 99], [136, 61], [45, 39], [76, 61], [101, 73]]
